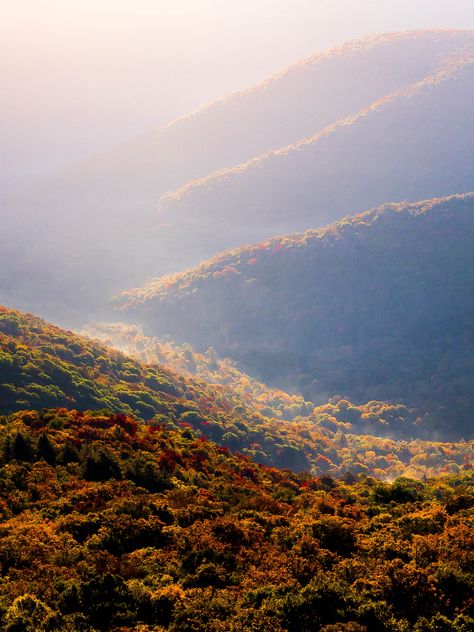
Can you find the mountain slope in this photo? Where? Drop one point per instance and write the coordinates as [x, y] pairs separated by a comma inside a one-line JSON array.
[[109, 525], [413, 144], [99, 220], [43, 366], [379, 306], [208, 367]]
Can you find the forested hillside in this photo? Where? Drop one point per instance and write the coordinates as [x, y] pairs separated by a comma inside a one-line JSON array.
[[379, 306], [207, 366], [134, 527], [44, 366], [99, 220]]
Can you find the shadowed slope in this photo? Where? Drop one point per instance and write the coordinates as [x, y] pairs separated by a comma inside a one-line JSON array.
[[379, 306]]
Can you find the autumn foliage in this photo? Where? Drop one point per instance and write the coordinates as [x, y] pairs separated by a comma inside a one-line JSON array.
[[378, 306], [44, 366], [112, 525]]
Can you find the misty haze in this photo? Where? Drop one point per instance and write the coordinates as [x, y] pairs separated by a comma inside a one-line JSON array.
[[237, 316]]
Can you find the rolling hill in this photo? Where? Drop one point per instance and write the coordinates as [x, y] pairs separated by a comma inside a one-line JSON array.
[[207, 367], [95, 229], [378, 306], [42, 366], [413, 144], [377, 418]]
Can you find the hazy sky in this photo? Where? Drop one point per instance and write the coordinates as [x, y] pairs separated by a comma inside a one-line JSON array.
[[80, 75]]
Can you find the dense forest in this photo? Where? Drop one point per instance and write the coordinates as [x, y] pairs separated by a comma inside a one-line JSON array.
[[99, 219], [378, 306], [42, 366], [140, 527], [374, 417], [207, 366]]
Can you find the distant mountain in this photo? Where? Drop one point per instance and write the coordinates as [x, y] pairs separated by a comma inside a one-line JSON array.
[[379, 306], [42, 366], [96, 228], [414, 143]]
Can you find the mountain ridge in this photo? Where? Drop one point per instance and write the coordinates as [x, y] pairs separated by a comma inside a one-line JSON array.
[[101, 221], [376, 306], [411, 144], [128, 298], [447, 70]]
